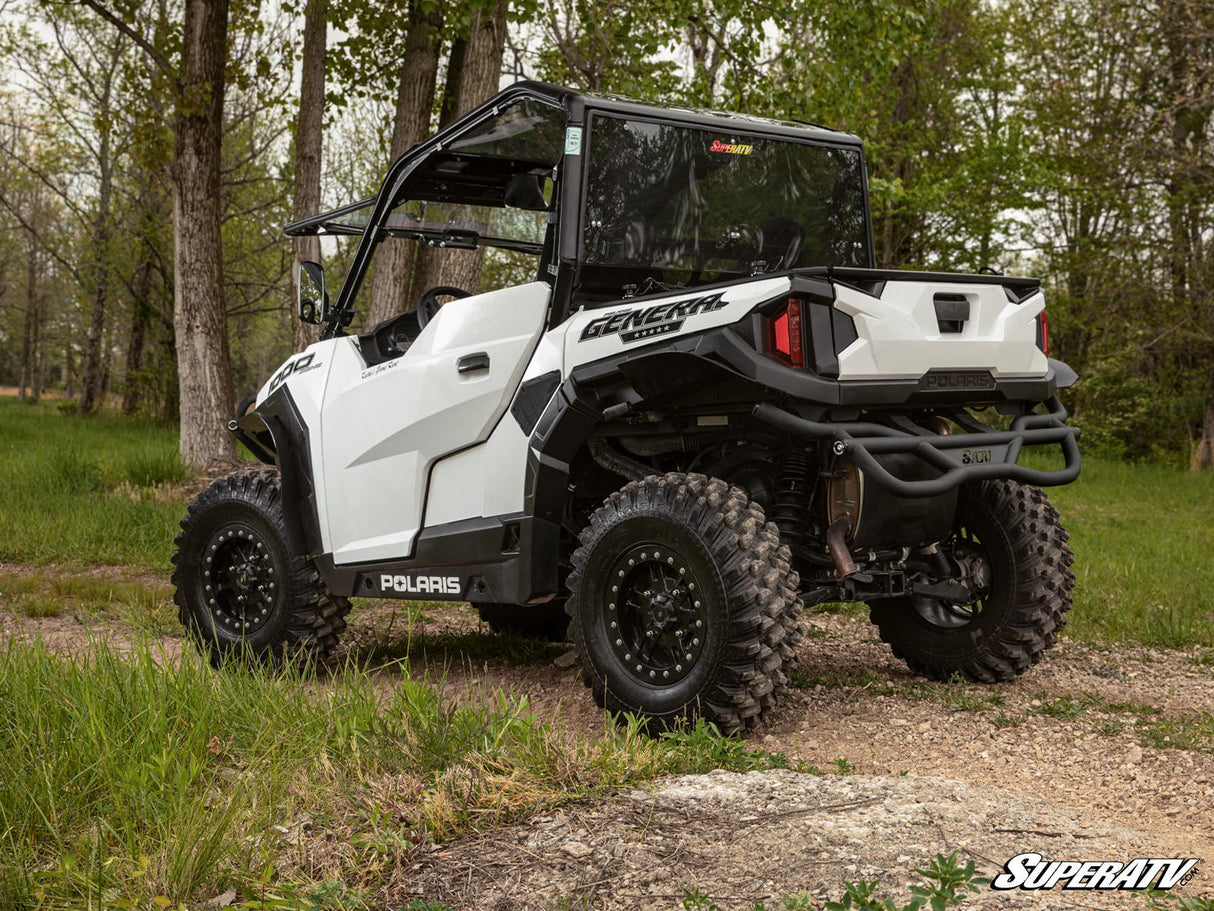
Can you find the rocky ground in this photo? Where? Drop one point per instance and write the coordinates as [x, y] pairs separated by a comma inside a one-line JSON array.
[[1096, 754]]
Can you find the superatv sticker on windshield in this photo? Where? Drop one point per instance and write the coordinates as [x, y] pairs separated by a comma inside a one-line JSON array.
[[646, 322], [730, 148]]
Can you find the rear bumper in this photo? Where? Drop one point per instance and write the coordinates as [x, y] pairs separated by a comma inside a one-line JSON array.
[[980, 453]]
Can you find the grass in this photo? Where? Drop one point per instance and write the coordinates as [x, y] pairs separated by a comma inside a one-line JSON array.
[[146, 604], [129, 783], [1142, 537], [90, 490]]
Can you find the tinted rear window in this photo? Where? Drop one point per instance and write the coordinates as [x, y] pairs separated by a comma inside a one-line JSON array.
[[679, 205]]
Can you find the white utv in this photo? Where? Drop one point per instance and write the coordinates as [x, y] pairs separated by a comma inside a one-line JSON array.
[[707, 409]]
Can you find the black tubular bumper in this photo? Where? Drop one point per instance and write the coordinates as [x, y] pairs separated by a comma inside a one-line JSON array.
[[979, 453]]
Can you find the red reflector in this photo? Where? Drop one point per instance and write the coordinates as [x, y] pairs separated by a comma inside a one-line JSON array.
[[1045, 334], [780, 335], [786, 341], [795, 352]]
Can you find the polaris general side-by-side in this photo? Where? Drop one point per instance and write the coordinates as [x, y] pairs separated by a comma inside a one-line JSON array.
[[706, 410]]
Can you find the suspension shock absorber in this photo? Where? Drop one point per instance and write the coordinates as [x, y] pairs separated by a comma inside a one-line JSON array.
[[790, 506]]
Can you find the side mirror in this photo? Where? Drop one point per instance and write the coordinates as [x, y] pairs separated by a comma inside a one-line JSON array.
[[311, 303]]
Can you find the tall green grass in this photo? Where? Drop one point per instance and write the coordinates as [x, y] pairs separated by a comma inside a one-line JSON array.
[[127, 782], [1143, 536], [86, 490]]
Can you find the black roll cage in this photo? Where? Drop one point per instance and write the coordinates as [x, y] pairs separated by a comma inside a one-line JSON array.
[[569, 175]]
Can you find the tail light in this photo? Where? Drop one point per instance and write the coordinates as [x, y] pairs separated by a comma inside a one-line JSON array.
[[1043, 333], [787, 336]]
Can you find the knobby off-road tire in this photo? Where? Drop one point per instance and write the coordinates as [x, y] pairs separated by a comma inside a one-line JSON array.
[[683, 603], [239, 589], [547, 622], [1008, 629]]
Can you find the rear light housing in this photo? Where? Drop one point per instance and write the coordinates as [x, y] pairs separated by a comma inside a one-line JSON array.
[[786, 336], [1043, 333]]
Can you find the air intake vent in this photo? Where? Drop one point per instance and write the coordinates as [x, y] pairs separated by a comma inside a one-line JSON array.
[[532, 396], [952, 310]]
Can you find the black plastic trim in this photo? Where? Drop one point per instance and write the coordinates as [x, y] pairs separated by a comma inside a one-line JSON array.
[[294, 458], [503, 559], [531, 399]]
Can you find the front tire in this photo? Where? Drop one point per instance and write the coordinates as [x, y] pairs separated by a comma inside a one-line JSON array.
[[683, 603], [1010, 538], [239, 589]]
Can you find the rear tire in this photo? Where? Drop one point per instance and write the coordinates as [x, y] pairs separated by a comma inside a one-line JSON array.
[[239, 589], [1019, 535], [683, 604]]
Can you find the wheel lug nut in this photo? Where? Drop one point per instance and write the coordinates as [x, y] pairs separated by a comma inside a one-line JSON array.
[[678, 667], [665, 674], [619, 641], [638, 668], [652, 674], [627, 656], [614, 625], [695, 641]]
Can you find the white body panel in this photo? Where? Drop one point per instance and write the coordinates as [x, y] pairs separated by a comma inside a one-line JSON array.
[[487, 479], [899, 337], [382, 428], [737, 302]]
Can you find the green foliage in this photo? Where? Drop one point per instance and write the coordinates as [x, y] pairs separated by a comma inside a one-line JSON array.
[[1141, 540], [141, 781], [95, 490], [948, 884]]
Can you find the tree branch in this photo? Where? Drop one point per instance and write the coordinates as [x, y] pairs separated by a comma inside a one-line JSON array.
[[148, 48]]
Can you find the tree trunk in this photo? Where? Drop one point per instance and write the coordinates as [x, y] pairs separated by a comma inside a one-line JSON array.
[[390, 285], [141, 316], [308, 137], [102, 229], [27, 333], [473, 81], [1203, 454], [200, 312]]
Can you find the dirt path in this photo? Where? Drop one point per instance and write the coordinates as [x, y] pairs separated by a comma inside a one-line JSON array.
[[1095, 754]]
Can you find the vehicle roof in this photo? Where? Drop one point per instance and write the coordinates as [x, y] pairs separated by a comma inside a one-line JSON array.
[[693, 116]]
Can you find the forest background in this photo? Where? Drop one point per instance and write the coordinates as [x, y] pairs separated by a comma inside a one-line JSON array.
[[152, 150]]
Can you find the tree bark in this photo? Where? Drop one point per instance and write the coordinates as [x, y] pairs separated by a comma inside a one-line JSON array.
[[474, 81], [308, 141], [141, 317], [200, 312], [90, 391], [390, 283], [1203, 454]]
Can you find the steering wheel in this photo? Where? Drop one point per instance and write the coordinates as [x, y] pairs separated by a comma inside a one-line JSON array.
[[428, 305]]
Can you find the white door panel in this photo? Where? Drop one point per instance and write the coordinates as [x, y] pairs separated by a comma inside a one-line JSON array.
[[385, 427], [487, 480]]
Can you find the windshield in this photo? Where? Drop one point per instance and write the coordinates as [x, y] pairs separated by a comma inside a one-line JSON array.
[[669, 205]]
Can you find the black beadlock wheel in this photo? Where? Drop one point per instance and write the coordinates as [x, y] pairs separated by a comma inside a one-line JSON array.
[[238, 588], [683, 603], [1009, 543]]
